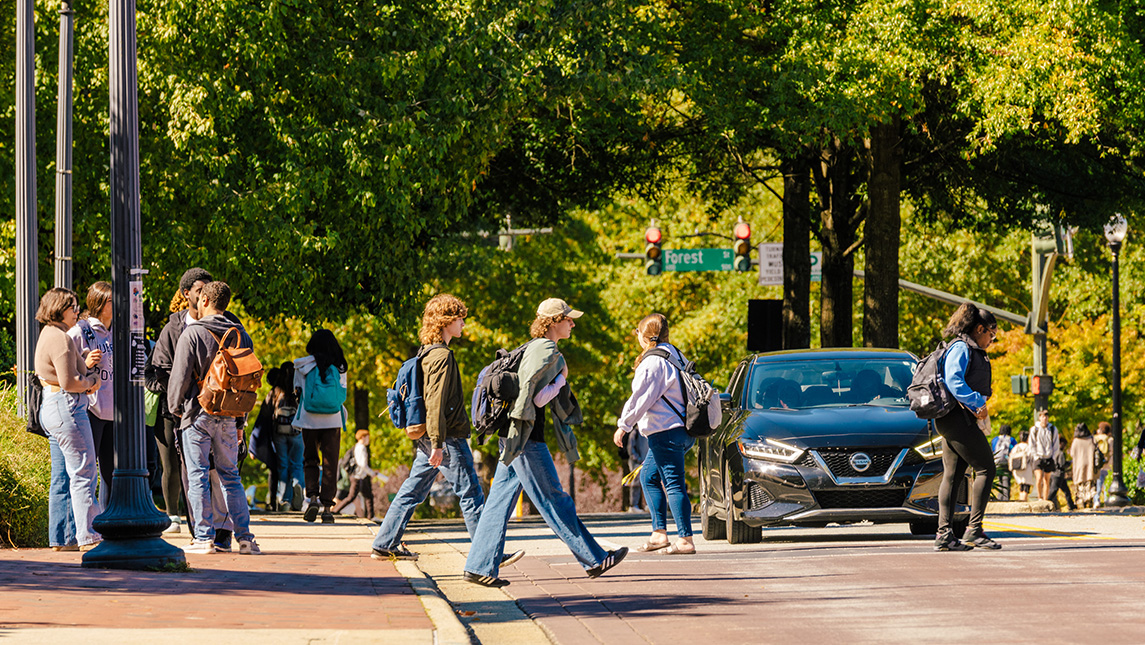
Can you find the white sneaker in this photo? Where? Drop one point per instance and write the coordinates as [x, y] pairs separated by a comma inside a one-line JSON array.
[[249, 547], [174, 527], [200, 546]]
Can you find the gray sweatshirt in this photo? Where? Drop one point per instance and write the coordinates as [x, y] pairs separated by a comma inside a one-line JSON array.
[[100, 404], [193, 354]]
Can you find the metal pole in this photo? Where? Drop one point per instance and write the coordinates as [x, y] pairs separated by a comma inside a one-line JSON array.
[[27, 251], [131, 525], [63, 258], [1118, 494]]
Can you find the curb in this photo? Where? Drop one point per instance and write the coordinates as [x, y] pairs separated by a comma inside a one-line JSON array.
[[448, 629]]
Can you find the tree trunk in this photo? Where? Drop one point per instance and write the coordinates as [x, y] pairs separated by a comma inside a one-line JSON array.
[[880, 287], [361, 409], [797, 252], [840, 217]]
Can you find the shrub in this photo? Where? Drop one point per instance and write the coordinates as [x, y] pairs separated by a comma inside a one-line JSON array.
[[25, 470]]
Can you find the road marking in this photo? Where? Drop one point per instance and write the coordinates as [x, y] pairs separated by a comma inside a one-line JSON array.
[[1036, 532]]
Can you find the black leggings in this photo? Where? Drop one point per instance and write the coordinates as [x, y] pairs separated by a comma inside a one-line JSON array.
[[103, 434], [964, 446], [172, 464]]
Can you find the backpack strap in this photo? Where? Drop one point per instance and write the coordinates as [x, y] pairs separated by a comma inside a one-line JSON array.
[[667, 356], [87, 331]]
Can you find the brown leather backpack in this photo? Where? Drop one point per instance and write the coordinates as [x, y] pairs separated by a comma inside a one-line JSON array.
[[230, 387]]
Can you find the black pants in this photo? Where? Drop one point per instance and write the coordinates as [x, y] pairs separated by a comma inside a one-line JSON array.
[[363, 487], [172, 464], [1058, 482], [963, 446], [103, 435], [1003, 482], [321, 482]]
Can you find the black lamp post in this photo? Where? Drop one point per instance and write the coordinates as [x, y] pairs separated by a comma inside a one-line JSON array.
[[1115, 232], [131, 526]]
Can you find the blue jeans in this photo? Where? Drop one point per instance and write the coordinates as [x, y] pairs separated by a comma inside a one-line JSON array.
[[61, 520], [288, 451], [457, 466], [663, 470], [534, 472], [64, 417], [210, 435]]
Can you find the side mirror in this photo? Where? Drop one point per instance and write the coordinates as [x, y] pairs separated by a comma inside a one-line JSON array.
[[725, 400]]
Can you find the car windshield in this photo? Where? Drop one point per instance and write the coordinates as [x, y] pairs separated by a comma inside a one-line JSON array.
[[821, 383]]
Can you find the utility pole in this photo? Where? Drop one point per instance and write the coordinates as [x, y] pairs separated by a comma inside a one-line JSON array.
[[27, 251], [63, 257]]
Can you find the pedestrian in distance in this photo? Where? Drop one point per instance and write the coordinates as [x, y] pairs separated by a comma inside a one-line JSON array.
[[444, 446], [1083, 450], [205, 435], [967, 371], [1021, 463], [320, 385], [1059, 480], [1002, 445], [1103, 441], [68, 376], [261, 444], [656, 410], [525, 462], [361, 476], [1044, 442], [289, 446], [91, 332]]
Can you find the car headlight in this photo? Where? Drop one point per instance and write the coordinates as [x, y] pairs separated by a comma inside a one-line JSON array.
[[930, 449], [770, 449]]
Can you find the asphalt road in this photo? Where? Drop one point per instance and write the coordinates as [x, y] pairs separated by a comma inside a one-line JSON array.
[[1075, 578]]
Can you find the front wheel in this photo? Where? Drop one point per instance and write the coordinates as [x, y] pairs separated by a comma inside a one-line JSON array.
[[737, 532], [710, 526]]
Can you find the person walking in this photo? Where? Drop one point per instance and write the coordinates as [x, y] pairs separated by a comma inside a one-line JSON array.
[[320, 385], [1021, 463], [67, 376], [1083, 450], [92, 331], [361, 475], [1044, 442], [967, 370], [1059, 481], [445, 445], [206, 436], [289, 447], [261, 445], [1103, 442], [525, 462], [656, 410], [1001, 446]]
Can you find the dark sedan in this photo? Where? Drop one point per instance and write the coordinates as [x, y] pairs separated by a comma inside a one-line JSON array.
[[812, 437]]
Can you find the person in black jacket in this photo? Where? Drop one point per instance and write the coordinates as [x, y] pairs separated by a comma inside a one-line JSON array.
[[964, 429]]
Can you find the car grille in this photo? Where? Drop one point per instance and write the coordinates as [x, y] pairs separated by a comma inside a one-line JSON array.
[[861, 498], [757, 497], [839, 461]]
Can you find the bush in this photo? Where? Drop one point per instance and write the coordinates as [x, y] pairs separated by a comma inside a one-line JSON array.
[[25, 470]]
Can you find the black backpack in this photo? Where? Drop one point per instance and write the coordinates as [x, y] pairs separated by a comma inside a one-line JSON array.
[[497, 388], [347, 463], [33, 402], [928, 394], [696, 391]]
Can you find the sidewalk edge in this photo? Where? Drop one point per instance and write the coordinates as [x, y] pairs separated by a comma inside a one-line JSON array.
[[448, 628]]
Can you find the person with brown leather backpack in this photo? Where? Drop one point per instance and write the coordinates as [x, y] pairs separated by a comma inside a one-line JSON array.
[[214, 376]]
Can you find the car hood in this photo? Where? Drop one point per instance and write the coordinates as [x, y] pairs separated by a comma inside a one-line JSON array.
[[838, 427]]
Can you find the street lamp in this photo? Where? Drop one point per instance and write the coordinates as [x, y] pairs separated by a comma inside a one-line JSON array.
[[1115, 232]]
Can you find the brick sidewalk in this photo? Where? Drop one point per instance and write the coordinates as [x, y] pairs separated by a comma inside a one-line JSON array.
[[312, 577]]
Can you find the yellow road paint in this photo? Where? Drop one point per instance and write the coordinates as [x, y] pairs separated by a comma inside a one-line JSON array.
[[1036, 532]]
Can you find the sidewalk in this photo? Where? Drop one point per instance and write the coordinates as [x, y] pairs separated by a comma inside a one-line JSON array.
[[315, 583]]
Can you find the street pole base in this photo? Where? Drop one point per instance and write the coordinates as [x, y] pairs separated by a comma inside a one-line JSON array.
[[138, 554]]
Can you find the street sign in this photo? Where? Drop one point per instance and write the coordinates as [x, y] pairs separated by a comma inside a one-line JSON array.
[[698, 260], [771, 264]]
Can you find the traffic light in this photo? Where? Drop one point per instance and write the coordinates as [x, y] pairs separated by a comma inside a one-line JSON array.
[[653, 258], [742, 246], [1042, 384]]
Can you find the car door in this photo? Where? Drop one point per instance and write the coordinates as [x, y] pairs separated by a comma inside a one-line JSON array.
[[712, 457]]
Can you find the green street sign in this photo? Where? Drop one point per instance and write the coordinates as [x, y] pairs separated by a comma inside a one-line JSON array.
[[698, 260]]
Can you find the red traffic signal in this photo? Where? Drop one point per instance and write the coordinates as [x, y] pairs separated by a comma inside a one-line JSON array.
[[652, 235], [742, 231], [1042, 384]]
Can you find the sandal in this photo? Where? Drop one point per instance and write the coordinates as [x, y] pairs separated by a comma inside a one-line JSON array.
[[649, 547], [675, 550]]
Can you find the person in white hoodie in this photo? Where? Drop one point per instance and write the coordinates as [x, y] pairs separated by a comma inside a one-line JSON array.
[[656, 409], [92, 331], [320, 382]]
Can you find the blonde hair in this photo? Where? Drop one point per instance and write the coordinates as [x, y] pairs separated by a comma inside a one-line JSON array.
[[440, 312], [541, 324], [178, 301], [652, 328], [54, 303]]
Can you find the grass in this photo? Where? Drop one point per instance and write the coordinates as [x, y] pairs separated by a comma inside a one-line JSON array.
[[25, 471]]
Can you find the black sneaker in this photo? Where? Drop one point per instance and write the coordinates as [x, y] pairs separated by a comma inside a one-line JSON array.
[[976, 539], [398, 553], [611, 560], [946, 541], [510, 558], [485, 581], [223, 540], [327, 516], [310, 512]]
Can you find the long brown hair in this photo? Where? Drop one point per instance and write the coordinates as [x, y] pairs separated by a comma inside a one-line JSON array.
[[98, 295], [653, 328]]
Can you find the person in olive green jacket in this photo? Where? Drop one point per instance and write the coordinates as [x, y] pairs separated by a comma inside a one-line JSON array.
[[445, 445]]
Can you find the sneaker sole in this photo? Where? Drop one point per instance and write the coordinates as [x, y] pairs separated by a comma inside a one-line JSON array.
[[393, 556], [310, 514], [513, 558]]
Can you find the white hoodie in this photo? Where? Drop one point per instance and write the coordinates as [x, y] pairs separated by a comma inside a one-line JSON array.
[[101, 403], [309, 420]]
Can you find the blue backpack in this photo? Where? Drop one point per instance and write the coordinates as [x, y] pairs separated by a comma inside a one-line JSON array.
[[323, 397], [405, 399]]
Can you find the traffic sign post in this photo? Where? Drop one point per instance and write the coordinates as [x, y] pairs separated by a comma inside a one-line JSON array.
[[771, 264]]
